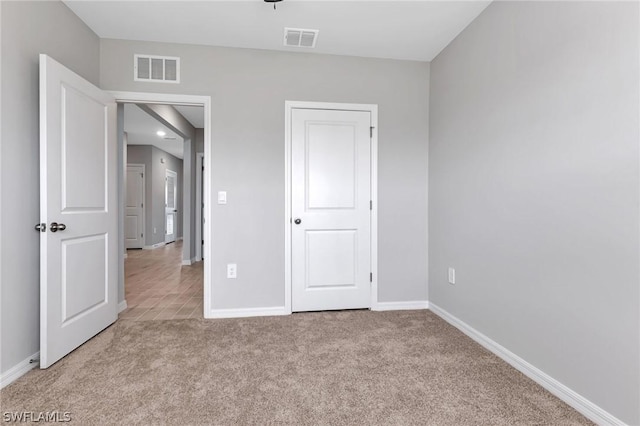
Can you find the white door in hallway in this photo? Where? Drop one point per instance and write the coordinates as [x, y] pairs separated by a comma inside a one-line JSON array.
[[171, 209], [78, 211], [331, 216], [134, 207]]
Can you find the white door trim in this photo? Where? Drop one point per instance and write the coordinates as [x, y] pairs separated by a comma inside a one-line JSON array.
[[196, 100], [144, 199], [174, 175], [199, 164], [373, 109]]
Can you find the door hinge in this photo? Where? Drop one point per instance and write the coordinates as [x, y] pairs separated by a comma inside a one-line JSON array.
[[370, 204], [141, 235], [141, 204], [370, 277], [371, 131], [202, 242], [142, 175]]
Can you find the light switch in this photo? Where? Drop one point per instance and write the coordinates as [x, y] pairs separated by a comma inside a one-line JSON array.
[[222, 197], [232, 270], [452, 276]]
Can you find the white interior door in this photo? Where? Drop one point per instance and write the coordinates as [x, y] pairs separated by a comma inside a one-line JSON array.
[[134, 208], [171, 209], [331, 216], [78, 248]]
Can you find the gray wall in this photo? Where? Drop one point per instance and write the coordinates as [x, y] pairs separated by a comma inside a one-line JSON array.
[[155, 189], [533, 194], [29, 29], [199, 141], [248, 90]]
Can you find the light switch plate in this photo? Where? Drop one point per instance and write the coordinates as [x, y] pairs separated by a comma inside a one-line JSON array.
[[222, 197], [452, 276], [232, 270]]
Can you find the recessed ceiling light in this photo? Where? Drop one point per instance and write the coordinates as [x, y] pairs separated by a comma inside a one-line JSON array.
[[160, 133]]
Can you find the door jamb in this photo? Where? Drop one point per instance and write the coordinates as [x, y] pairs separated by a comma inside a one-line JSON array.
[[289, 106], [144, 201], [199, 180], [193, 100]]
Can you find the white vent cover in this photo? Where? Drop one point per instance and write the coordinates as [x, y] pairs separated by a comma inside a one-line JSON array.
[[299, 37], [159, 69]]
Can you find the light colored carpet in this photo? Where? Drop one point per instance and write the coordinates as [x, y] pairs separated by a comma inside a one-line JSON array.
[[337, 368]]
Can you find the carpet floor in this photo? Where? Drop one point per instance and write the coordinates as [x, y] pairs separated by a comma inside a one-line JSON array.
[[325, 368]]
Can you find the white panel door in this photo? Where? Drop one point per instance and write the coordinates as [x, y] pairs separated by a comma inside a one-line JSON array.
[[171, 209], [331, 216], [78, 248], [134, 207]]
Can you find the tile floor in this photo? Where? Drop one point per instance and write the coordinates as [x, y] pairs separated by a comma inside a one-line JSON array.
[[158, 287]]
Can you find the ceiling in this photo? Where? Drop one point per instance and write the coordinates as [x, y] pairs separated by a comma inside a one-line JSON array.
[[412, 30], [141, 129], [193, 114]]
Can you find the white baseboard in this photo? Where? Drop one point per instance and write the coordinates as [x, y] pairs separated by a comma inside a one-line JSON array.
[[572, 398], [189, 262], [155, 246], [179, 239], [401, 306], [247, 312], [126, 255], [122, 306], [19, 370]]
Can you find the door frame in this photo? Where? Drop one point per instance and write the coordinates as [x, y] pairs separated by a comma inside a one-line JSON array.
[[189, 100], [289, 106], [168, 172], [144, 201], [199, 180]]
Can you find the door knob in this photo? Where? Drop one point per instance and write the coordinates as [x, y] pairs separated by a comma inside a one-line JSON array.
[[55, 227], [41, 227], [297, 221]]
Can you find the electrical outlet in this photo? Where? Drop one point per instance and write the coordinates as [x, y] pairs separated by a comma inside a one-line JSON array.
[[452, 276], [232, 270]]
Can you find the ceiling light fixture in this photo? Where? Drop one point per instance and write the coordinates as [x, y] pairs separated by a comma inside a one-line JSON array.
[[274, 2], [160, 133]]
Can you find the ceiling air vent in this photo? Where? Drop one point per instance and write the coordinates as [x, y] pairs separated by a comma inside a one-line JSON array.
[[298, 37], [159, 69]]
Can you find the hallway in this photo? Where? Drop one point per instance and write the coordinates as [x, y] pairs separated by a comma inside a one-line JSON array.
[[158, 287]]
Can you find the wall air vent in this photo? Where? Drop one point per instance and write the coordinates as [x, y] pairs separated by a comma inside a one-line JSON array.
[[298, 37], [158, 69]]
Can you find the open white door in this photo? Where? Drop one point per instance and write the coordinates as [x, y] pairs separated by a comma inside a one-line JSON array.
[[78, 214]]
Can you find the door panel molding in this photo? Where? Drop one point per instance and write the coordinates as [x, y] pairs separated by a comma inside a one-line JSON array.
[[373, 110]]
